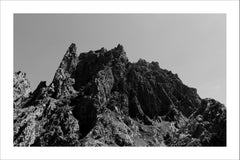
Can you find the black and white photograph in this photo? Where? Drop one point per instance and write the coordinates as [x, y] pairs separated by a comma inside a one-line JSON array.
[[119, 80], [124, 80]]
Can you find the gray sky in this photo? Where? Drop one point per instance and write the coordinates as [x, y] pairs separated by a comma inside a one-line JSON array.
[[191, 45]]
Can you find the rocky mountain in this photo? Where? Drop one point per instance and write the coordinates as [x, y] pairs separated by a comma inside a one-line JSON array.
[[99, 98]]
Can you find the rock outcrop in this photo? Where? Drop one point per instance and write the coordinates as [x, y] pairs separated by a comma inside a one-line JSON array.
[[99, 98], [21, 87]]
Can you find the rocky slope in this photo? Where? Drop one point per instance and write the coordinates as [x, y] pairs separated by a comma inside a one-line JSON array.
[[99, 98]]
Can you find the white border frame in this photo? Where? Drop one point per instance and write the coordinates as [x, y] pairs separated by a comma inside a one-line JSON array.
[[230, 8]]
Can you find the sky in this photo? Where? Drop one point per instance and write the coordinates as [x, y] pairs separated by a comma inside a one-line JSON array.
[[191, 45]]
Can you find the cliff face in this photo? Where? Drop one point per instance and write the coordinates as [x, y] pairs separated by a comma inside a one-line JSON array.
[[99, 98]]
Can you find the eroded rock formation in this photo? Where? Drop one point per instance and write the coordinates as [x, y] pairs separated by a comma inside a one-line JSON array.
[[99, 98]]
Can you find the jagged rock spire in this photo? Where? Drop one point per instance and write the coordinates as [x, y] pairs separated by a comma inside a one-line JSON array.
[[70, 58], [64, 71], [72, 48], [21, 86]]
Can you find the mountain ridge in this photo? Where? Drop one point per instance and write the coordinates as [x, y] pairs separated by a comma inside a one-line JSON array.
[[99, 98]]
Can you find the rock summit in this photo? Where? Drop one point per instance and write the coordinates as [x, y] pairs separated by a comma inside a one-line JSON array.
[[99, 98]]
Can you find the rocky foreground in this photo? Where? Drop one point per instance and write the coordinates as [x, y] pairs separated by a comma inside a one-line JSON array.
[[99, 98]]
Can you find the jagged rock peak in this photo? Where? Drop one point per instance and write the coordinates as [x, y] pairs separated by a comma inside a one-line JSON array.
[[72, 48], [99, 98], [69, 57], [21, 85], [120, 47]]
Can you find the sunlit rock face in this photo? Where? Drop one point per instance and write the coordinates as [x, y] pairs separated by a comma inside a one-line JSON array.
[[99, 98]]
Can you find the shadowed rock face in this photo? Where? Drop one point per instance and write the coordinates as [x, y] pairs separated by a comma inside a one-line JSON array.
[[99, 98]]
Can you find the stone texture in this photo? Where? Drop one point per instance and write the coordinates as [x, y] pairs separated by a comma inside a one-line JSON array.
[[99, 98], [21, 87]]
